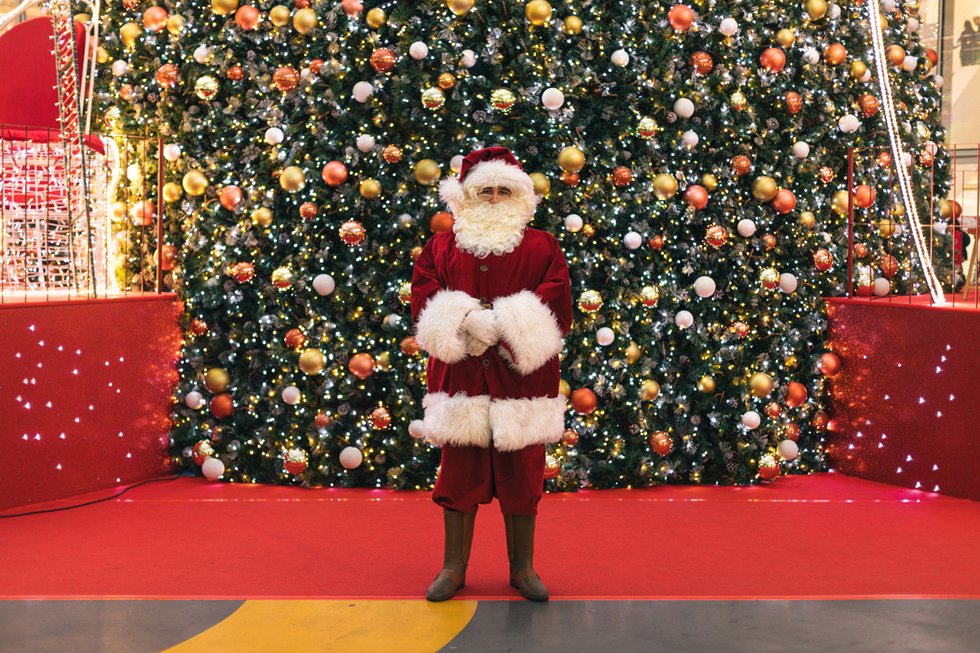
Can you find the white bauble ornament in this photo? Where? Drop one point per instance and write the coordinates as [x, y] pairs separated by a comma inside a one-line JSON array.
[[605, 336], [881, 287], [351, 457], [909, 63], [684, 108], [552, 98], [834, 12], [133, 172], [728, 26], [418, 50], [212, 468], [194, 400], [456, 163], [848, 123], [365, 142], [573, 222], [274, 136], [751, 419], [801, 149], [745, 227], [913, 25], [119, 67], [939, 228], [889, 6], [392, 321], [305, 74], [171, 151], [416, 429], [787, 283], [704, 287], [363, 91], [788, 450], [405, 221], [323, 284], [811, 56], [930, 147], [202, 54], [632, 240], [938, 79], [689, 139], [620, 58], [683, 319], [291, 395], [468, 59], [866, 77]]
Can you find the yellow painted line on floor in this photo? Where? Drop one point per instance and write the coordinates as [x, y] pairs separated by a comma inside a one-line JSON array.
[[347, 626]]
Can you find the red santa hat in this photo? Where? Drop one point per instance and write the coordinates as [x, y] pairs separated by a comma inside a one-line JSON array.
[[491, 166]]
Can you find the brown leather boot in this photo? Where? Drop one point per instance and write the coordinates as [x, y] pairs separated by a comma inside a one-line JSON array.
[[520, 550], [459, 538]]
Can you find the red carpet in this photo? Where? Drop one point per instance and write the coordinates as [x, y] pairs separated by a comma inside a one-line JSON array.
[[826, 536]]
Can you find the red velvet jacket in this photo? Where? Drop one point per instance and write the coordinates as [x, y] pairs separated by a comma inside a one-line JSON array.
[[508, 396]]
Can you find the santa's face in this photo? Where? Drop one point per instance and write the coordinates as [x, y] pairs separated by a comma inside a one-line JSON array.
[[491, 220]]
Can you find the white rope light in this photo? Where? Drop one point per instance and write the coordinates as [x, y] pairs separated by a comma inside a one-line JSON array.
[[898, 154]]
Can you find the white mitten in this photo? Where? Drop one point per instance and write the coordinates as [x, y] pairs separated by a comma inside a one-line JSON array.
[[475, 347], [482, 326]]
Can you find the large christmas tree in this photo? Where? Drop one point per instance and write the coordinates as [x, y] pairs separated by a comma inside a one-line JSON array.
[[693, 163]]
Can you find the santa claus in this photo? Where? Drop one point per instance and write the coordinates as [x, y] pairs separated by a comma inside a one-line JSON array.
[[491, 303]]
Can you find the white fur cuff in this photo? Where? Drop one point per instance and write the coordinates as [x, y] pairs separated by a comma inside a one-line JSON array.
[[458, 420], [439, 327], [519, 423], [529, 328]]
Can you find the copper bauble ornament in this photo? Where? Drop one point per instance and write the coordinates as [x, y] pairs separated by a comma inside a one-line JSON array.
[[231, 197], [772, 59], [322, 420], [352, 232], [764, 188], [794, 102], [235, 73], [503, 99], [823, 260], [242, 272], [664, 186], [369, 189], [167, 75], [835, 54], [569, 178], [198, 326], [860, 250], [829, 364], [294, 339], [761, 384], [656, 242], [571, 159], [622, 176], [383, 60], [334, 173], [361, 365], [285, 78], [680, 17], [696, 196], [247, 17], [702, 62], [895, 55], [741, 164], [308, 210], [784, 201], [716, 236], [569, 438], [864, 196], [155, 19], [888, 265], [868, 104], [392, 154], [446, 81], [538, 12], [590, 301], [795, 394], [222, 406], [768, 241], [433, 98], [584, 401], [441, 221], [660, 443], [409, 346]]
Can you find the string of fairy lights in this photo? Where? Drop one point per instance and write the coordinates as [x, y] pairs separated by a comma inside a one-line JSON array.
[[689, 158]]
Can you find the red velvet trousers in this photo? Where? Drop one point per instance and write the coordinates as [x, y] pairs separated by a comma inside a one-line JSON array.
[[473, 475]]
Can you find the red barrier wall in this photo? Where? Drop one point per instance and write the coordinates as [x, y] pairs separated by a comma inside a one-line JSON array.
[[905, 406], [85, 390]]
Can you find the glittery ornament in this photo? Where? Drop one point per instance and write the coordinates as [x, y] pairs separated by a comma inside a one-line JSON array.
[[352, 232], [383, 60], [433, 98], [660, 443], [649, 296], [716, 236], [503, 99], [590, 301]]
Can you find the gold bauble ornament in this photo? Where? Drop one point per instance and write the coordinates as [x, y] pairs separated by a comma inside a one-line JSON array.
[[590, 301], [194, 183], [384, 364], [433, 98], [282, 278], [224, 7], [460, 7], [279, 16], [538, 12], [887, 227], [709, 181], [572, 25], [647, 127], [175, 24], [564, 388], [370, 189], [262, 216], [206, 87], [945, 209], [292, 179], [216, 380], [633, 353], [649, 295], [858, 68], [427, 172], [815, 9], [664, 186], [102, 55], [446, 81], [764, 188], [706, 385], [542, 185], [838, 202], [649, 390], [375, 18], [503, 99], [761, 384], [129, 33], [312, 361], [786, 37], [304, 20], [571, 159], [807, 219], [172, 192]]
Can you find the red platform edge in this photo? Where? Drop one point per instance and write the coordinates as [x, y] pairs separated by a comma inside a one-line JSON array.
[[85, 392], [905, 405]]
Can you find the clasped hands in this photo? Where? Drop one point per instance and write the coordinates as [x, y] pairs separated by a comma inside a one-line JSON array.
[[480, 331]]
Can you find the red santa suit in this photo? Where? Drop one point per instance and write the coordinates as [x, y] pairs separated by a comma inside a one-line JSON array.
[[492, 413]]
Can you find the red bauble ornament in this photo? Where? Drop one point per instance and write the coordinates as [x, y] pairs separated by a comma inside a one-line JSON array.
[[247, 17], [622, 176], [868, 104], [167, 74], [793, 431], [308, 210], [383, 60], [772, 59], [716, 236], [551, 468], [569, 438], [235, 73], [794, 102], [322, 420], [888, 265], [361, 365], [768, 470], [198, 326], [702, 62], [660, 443], [168, 257], [741, 164], [295, 467], [835, 54], [681, 17], [829, 364], [932, 56], [773, 410], [409, 346], [696, 196], [864, 196], [334, 173], [352, 232], [884, 158], [441, 221], [584, 401], [231, 197], [294, 339], [569, 178], [820, 420], [795, 394], [222, 406], [657, 243], [823, 260], [285, 78], [352, 7], [380, 418], [784, 201], [202, 451]]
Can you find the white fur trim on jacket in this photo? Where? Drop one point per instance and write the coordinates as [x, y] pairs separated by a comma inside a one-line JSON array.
[[529, 328], [439, 327], [488, 173], [511, 424], [519, 423], [459, 420]]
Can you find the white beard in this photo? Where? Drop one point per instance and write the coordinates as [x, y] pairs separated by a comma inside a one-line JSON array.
[[483, 228]]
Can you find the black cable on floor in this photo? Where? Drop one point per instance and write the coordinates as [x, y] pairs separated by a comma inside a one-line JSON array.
[[89, 503]]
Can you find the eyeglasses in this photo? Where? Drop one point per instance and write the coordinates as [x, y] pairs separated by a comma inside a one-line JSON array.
[[490, 192]]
